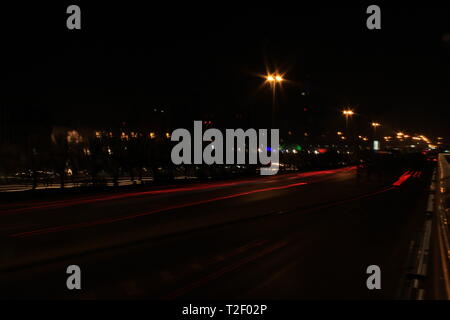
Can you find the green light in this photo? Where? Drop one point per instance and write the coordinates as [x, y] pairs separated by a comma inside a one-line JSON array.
[[298, 148]]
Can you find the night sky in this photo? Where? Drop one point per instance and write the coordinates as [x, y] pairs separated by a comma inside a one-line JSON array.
[[127, 59]]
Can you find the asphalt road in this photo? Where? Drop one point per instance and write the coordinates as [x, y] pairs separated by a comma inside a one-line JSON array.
[[291, 236]]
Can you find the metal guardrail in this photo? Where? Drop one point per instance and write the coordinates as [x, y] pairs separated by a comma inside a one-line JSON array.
[[419, 252], [436, 220], [442, 194]]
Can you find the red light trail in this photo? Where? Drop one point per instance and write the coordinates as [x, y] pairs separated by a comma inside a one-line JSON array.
[[129, 217], [402, 178], [12, 208]]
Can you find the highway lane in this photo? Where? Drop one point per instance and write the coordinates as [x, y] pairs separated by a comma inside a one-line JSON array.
[[307, 235], [160, 212]]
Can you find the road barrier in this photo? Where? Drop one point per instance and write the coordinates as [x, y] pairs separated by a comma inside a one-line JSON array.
[[442, 194], [420, 251], [436, 220]]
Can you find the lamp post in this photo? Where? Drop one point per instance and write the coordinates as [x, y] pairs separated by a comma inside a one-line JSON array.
[[273, 80], [375, 125], [347, 113]]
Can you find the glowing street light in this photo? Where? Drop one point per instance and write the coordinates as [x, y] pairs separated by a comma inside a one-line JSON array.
[[347, 113], [375, 125], [274, 78]]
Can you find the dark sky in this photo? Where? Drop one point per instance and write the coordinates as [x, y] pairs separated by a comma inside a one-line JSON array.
[[128, 58]]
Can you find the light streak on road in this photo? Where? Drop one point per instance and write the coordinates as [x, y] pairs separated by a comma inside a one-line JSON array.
[[26, 207], [129, 217]]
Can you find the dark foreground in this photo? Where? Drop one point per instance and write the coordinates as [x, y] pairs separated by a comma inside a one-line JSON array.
[[290, 236]]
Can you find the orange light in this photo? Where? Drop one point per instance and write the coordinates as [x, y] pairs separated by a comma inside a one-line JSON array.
[[348, 112], [274, 78]]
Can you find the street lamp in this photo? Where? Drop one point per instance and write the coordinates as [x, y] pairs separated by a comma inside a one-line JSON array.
[[273, 79], [347, 113], [375, 125]]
